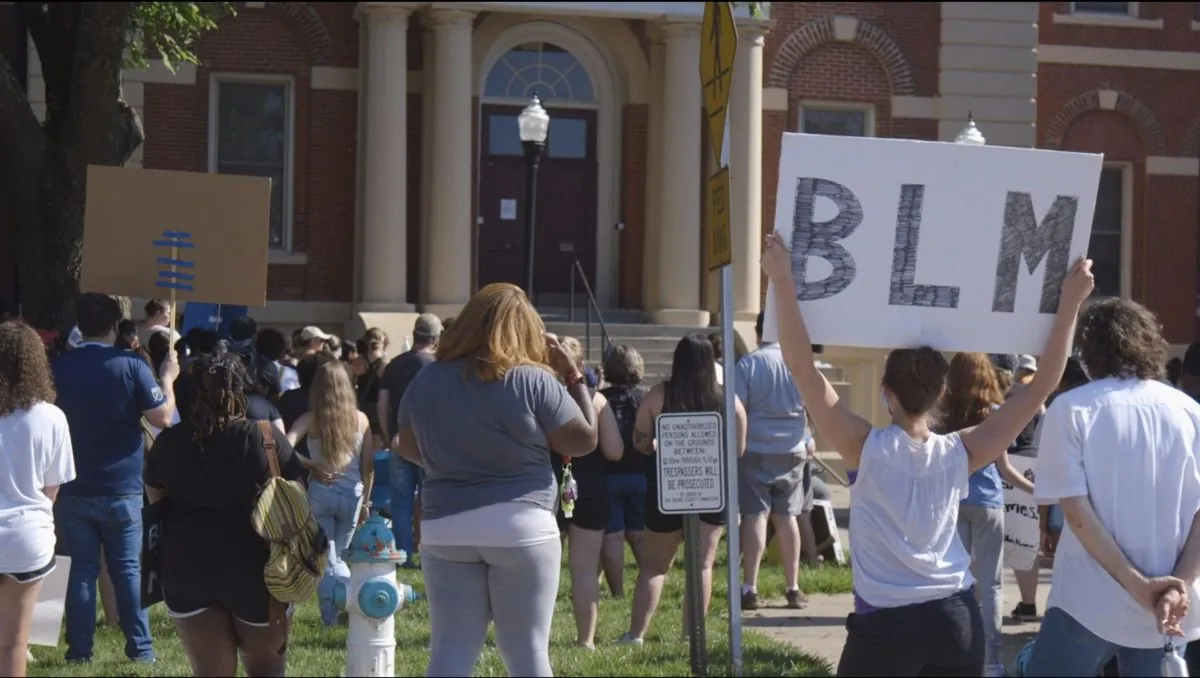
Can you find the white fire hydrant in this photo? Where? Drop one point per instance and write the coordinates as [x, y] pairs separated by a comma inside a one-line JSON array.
[[372, 596]]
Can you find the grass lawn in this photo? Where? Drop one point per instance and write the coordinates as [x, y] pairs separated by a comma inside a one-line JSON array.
[[317, 651]]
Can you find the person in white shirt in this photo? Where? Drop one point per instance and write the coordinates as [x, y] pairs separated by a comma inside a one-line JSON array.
[[158, 319], [915, 608], [1119, 455], [35, 459]]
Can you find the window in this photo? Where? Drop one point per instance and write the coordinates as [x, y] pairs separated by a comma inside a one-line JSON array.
[[1108, 231], [568, 139], [251, 135], [552, 73], [1109, 8], [837, 120]]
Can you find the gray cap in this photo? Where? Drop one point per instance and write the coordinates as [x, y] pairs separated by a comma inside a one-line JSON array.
[[428, 326], [1027, 362]]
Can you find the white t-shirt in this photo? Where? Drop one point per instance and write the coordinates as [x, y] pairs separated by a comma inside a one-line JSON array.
[[1130, 446], [904, 519], [35, 452]]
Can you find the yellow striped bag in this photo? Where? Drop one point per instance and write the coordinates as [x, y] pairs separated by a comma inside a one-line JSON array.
[[281, 516]]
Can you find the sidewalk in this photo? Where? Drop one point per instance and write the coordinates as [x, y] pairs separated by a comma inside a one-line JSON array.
[[821, 627]]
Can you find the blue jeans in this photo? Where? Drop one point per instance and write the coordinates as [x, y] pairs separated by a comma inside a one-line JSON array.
[[406, 478], [627, 502], [84, 524], [1063, 647], [335, 508]]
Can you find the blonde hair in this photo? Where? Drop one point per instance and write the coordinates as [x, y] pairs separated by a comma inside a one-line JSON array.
[[496, 331], [333, 409], [574, 349]]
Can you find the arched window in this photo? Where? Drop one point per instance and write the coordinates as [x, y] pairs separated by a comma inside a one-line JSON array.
[[551, 72]]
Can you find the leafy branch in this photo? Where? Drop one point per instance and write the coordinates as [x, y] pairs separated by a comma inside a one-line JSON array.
[[169, 30]]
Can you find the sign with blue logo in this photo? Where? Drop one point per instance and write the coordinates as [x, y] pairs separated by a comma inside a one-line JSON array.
[[217, 317]]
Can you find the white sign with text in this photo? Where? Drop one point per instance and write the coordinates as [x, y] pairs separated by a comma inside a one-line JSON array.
[[902, 243], [1022, 531], [691, 470]]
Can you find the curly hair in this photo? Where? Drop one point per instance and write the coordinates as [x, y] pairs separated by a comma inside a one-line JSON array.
[[25, 378], [1120, 338], [972, 392], [220, 392]]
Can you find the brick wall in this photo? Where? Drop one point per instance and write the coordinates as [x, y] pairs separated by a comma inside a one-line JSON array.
[[1155, 114], [894, 52], [283, 39]]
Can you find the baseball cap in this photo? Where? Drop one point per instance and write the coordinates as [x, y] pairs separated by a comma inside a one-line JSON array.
[[428, 326], [242, 328], [1027, 362], [313, 332]]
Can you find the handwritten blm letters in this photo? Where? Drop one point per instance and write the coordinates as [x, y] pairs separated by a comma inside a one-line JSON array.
[[899, 243]]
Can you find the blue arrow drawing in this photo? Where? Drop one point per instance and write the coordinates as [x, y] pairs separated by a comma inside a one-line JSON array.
[[172, 278]]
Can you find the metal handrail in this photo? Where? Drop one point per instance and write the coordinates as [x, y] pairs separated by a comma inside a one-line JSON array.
[[592, 306]]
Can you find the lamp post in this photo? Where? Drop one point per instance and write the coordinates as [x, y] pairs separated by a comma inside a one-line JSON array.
[[534, 126], [970, 135]]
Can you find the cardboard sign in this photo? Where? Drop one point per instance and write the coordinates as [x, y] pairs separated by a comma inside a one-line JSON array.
[[898, 243], [202, 236], [1022, 531]]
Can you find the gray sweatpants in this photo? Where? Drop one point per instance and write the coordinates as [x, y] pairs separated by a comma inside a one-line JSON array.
[[468, 587], [981, 530]]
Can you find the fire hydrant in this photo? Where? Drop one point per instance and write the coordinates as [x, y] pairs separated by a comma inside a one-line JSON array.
[[372, 596]]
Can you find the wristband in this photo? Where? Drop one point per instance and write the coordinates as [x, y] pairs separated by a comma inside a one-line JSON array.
[[573, 379]]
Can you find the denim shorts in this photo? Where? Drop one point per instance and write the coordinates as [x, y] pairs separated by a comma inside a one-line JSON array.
[[1056, 518], [33, 575]]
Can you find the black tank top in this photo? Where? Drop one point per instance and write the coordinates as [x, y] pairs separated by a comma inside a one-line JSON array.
[[589, 471], [624, 402]]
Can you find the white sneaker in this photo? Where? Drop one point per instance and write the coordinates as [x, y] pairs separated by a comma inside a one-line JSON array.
[[630, 639]]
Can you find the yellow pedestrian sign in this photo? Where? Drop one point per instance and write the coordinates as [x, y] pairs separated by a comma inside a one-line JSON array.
[[718, 251], [718, 47]]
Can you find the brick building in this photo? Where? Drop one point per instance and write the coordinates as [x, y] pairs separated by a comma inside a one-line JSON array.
[[390, 131]]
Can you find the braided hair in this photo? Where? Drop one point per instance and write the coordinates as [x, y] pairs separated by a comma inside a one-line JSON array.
[[221, 382]]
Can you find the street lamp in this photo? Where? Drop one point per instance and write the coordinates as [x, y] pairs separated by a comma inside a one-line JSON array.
[[534, 126], [970, 134]]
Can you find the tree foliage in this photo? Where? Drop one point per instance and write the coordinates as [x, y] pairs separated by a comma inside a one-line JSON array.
[[83, 48], [169, 30]]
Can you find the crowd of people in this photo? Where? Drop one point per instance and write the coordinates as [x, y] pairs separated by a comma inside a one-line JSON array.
[[503, 446]]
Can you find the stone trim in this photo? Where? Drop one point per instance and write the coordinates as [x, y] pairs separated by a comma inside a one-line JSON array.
[[823, 31], [312, 29], [1139, 113]]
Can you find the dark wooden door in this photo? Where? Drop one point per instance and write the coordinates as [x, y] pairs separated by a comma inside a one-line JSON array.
[[566, 203]]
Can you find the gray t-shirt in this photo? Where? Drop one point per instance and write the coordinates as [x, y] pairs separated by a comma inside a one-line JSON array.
[[484, 443]]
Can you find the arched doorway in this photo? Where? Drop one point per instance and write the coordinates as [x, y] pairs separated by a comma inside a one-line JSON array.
[[567, 185]]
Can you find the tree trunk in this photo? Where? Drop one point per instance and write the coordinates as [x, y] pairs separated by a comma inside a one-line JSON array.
[[43, 167]]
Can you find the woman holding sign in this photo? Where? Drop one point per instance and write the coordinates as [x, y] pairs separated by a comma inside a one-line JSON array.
[[915, 608]]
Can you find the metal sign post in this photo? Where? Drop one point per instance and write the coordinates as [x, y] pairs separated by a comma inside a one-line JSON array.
[[691, 475], [717, 53]]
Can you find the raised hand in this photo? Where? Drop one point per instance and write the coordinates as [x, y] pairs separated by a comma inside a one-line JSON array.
[[1079, 283], [777, 260]]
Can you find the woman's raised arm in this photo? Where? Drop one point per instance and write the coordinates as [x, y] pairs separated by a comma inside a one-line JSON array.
[[987, 441], [845, 430]]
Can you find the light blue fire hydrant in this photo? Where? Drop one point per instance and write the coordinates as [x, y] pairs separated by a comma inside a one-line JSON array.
[[372, 596]]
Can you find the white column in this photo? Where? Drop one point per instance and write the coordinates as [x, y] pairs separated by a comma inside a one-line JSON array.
[[746, 162], [678, 266], [427, 83], [385, 229], [654, 182], [449, 283]]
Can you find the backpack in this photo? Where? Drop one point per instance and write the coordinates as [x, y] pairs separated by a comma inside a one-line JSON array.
[[282, 517]]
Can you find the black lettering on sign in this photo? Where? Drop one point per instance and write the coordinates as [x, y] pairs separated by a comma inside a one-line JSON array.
[[905, 291], [1024, 238], [820, 239]]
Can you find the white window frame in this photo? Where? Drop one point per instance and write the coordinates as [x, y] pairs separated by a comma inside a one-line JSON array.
[[289, 152], [1125, 287], [1132, 11], [869, 109]]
